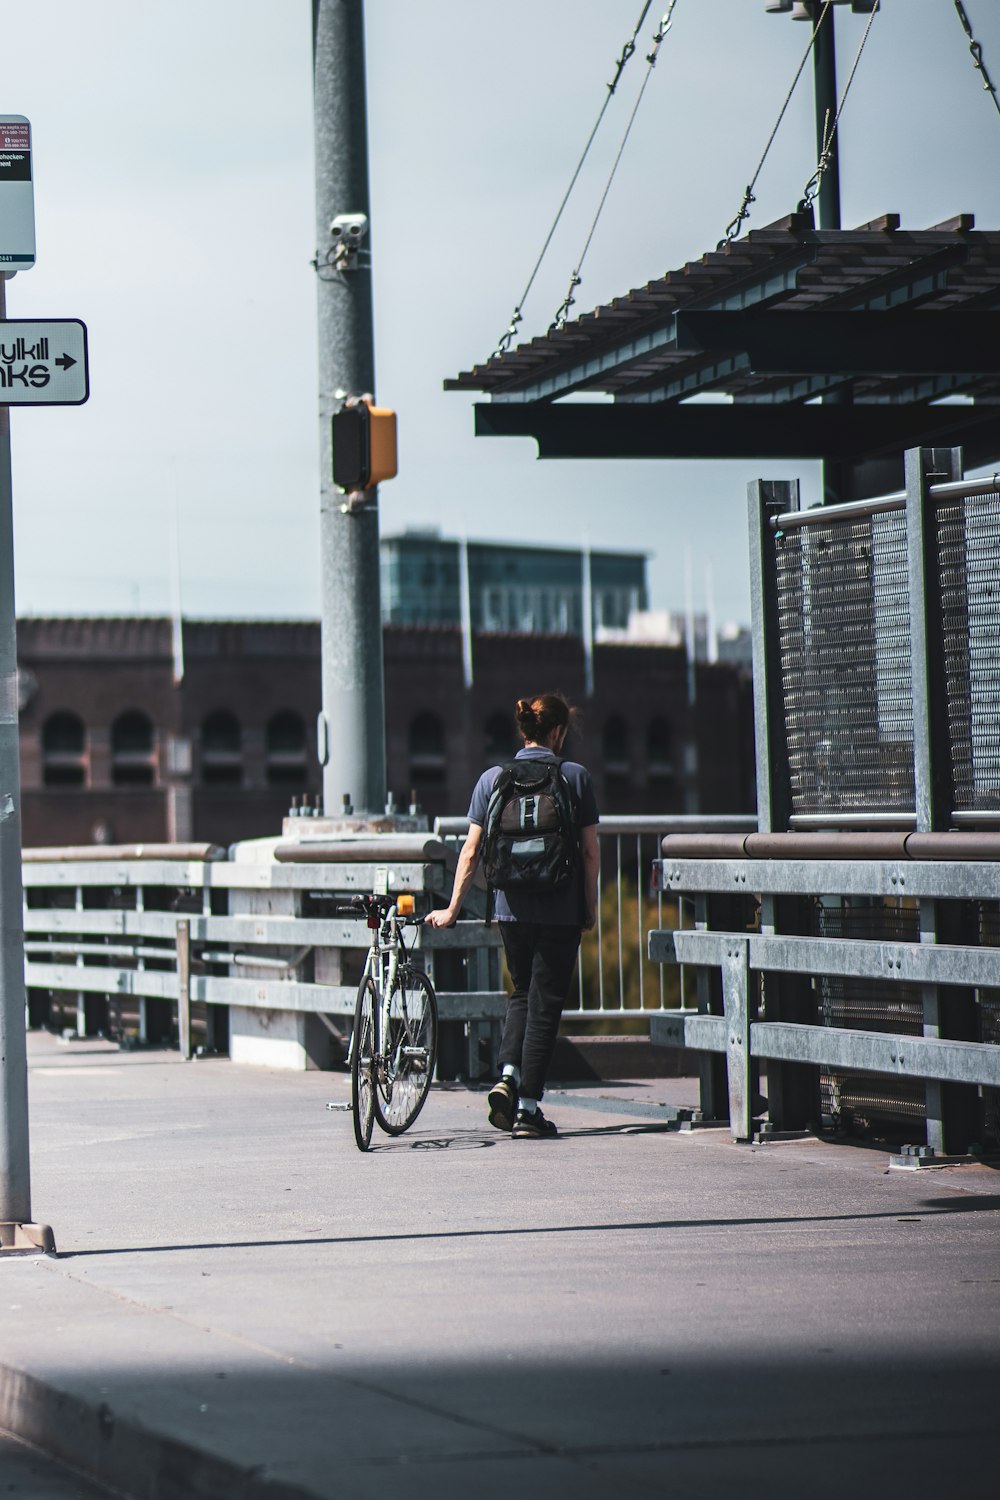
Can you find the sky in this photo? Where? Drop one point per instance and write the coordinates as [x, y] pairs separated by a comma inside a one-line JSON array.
[[174, 215]]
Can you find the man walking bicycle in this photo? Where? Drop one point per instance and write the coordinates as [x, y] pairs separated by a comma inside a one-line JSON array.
[[533, 825]]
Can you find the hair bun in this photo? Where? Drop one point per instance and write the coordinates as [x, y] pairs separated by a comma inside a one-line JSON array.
[[537, 717]]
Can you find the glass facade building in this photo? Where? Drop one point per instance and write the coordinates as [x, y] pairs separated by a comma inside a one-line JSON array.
[[533, 590]]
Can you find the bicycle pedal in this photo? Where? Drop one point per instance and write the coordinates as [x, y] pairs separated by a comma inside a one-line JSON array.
[[344, 1108]]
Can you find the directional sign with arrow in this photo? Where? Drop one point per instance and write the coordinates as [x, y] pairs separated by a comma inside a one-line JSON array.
[[43, 364]]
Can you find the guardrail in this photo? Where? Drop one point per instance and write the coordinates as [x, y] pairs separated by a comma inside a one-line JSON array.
[[771, 991], [171, 942], [139, 939]]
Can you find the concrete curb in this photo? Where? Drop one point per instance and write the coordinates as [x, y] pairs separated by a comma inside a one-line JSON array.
[[123, 1454]]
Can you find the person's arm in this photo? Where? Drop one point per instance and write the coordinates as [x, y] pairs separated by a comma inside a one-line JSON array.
[[590, 850], [468, 863]]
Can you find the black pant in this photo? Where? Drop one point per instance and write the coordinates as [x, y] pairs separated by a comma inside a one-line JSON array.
[[541, 958]]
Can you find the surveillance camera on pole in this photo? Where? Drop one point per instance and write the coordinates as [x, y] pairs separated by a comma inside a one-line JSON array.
[[348, 231]]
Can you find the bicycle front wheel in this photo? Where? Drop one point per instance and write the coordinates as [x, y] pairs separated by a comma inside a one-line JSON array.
[[409, 1052], [363, 1064]]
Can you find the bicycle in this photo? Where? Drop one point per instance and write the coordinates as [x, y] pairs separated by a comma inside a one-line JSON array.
[[393, 1047]]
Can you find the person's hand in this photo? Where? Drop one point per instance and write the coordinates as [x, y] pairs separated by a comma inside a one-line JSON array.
[[590, 921], [443, 918]]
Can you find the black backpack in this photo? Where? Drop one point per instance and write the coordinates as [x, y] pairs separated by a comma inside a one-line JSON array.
[[530, 837]]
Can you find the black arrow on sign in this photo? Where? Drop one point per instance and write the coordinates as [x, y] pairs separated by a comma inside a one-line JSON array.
[[65, 360]]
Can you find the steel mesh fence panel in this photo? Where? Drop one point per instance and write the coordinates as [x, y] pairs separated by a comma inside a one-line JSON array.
[[869, 1101], [968, 533], [844, 642]]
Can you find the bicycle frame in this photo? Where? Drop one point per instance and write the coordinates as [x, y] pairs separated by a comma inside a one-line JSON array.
[[387, 951], [382, 967], [383, 1056]]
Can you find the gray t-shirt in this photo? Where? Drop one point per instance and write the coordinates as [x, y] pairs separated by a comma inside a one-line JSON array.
[[562, 906]]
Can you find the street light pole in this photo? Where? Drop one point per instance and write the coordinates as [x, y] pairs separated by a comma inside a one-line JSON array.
[[16, 1230], [825, 80], [15, 1186], [352, 721], [825, 88]]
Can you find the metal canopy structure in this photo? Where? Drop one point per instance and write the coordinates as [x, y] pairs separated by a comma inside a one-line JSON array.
[[830, 344]]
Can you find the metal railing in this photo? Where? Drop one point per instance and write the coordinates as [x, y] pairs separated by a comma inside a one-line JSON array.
[[157, 943], [616, 979], [156, 938], [781, 971]]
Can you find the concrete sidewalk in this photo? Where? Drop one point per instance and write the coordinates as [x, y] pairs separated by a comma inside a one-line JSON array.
[[244, 1305]]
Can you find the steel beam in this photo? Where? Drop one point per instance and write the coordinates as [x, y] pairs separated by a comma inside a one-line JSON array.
[[903, 963], [252, 994], [901, 341], [686, 1028], [873, 1052], [625, 429], [766, 499], [957, 881], [736, 1002]]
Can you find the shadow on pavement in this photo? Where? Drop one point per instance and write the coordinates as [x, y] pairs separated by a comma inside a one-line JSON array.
[[815, 1422], [965, 1203]]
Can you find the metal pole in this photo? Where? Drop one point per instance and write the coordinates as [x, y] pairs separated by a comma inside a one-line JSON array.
[[835, 475], [184, 988], [15, 1175], [825, 76], [352, 743], [774, 803]]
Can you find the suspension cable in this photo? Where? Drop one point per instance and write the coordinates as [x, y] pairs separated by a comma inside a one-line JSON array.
[[830, 130], [620, 66], [977, 55], [743, 212], [562, 312]]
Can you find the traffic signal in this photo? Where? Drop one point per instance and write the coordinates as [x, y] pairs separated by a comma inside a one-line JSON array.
[[364, 445]]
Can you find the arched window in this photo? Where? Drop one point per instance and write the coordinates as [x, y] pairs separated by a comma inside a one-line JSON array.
[[615, 747], [221, 749], [64, 758], [659, 750], [286, 750], [133, 761], [427, 757], [501, 741]]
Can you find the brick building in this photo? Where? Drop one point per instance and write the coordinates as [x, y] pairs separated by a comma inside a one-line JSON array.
[[128, 734]]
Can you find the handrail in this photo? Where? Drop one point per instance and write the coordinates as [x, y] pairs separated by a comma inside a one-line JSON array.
[[818, 515], [71, 853], [638, 823], [947, 845], [383, 848]]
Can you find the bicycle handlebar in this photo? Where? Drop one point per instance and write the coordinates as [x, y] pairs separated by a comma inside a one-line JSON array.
[[368, 906]]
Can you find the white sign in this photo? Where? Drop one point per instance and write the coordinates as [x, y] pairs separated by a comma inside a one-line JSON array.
[[43, 364], [17, 195]]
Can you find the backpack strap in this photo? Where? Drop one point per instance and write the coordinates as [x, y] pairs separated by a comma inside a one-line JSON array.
[[493, 808]]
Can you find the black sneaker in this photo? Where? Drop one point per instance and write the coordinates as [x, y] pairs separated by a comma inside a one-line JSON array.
[[502, 1100], [532, 1127]]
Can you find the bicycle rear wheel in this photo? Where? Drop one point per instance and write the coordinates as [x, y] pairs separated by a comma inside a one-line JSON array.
[[363, 1091], [409, 1053]]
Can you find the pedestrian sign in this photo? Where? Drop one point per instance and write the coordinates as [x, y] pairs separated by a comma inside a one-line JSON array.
[[17, 196], [43, 364]]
